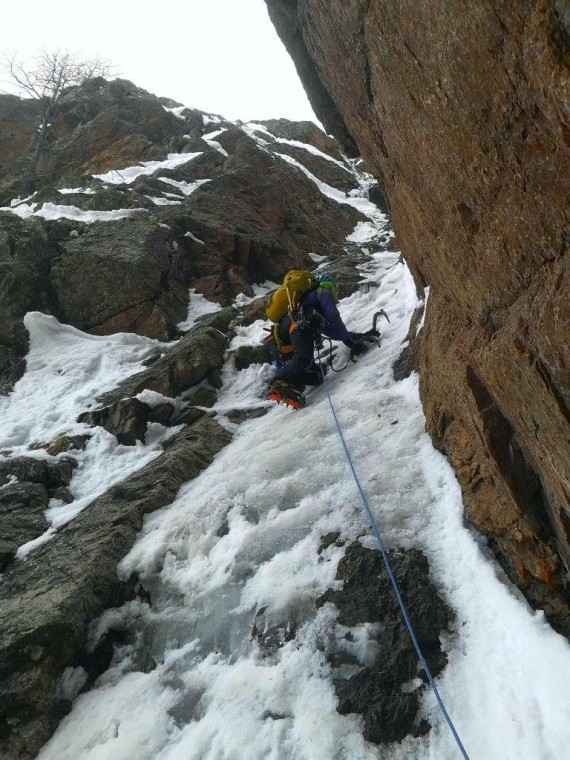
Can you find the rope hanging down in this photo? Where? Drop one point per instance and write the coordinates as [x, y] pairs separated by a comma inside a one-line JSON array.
[[395, 586]]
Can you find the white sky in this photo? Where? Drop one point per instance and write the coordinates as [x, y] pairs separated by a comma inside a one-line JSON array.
[[221, 56]]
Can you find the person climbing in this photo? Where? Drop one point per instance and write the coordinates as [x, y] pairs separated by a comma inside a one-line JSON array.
[[298, 331]]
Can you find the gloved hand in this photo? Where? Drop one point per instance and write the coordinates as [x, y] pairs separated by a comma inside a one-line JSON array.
[[357, 347]]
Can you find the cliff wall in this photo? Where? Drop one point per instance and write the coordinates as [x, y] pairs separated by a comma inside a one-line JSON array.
[[462, 110]]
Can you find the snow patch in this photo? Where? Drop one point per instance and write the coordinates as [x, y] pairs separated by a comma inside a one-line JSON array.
[[76, 191], [176, 111], [210, 119], [53, 211], [159, 201], [130, 173], [361, 204], [198, 306], [315, 152], [364, 232], [193, 237], [187, 188]]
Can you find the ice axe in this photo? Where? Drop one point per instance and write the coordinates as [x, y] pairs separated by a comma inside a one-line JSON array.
[[373, 335], [378, 314]]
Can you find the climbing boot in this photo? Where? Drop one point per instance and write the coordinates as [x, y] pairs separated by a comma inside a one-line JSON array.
[[283, 393]]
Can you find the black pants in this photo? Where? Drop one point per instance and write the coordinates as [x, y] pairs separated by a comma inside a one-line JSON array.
[[301, 369]]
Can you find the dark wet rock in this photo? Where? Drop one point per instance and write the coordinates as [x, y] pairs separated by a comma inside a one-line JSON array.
[[376, 196], [96, 659], [22, 507], [18, 119], [214, 378], [367, 596], [162, 413], [224, 528], [244, 356], [389, 713], [49, 473], [67, 443], [25, 255], [328, 540], [204, 397], [344, 270], [188, 416], [127, 420], [408, 361], [237, 416], [252, 311], [26, 485], [63, 494], [48, 600]]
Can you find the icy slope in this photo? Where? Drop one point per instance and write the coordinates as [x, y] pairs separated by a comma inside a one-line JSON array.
[[65, 370], [244, 536]]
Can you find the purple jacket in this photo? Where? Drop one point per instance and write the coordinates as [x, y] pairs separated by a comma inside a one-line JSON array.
[[321, 300]]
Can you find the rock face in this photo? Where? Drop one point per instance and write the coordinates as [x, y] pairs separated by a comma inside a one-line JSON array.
[[47, 601], [375, 691], [462, 112], [239, 210]]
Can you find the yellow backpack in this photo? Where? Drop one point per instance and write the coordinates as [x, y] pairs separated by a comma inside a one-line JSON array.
[[286, 298]]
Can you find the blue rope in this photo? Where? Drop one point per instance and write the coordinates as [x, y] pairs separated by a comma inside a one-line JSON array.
[[380, 543]]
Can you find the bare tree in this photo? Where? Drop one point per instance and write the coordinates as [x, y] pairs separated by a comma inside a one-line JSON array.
[[46, 79]]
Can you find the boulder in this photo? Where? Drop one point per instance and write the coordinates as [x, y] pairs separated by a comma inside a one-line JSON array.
[[121, 277], [127, 420]]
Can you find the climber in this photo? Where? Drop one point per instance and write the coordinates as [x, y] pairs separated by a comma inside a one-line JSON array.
[[297, 336]]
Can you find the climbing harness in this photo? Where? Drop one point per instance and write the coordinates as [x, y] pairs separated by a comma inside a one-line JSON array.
[[393, 581]]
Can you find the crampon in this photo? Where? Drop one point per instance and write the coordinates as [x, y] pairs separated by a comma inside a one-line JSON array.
[[282, 393]]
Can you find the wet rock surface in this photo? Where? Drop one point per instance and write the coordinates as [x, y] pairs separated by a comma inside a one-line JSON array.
[[26, 486], [387, 691], [237, 416], [461, 112], [127, 420], [47, 601]]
